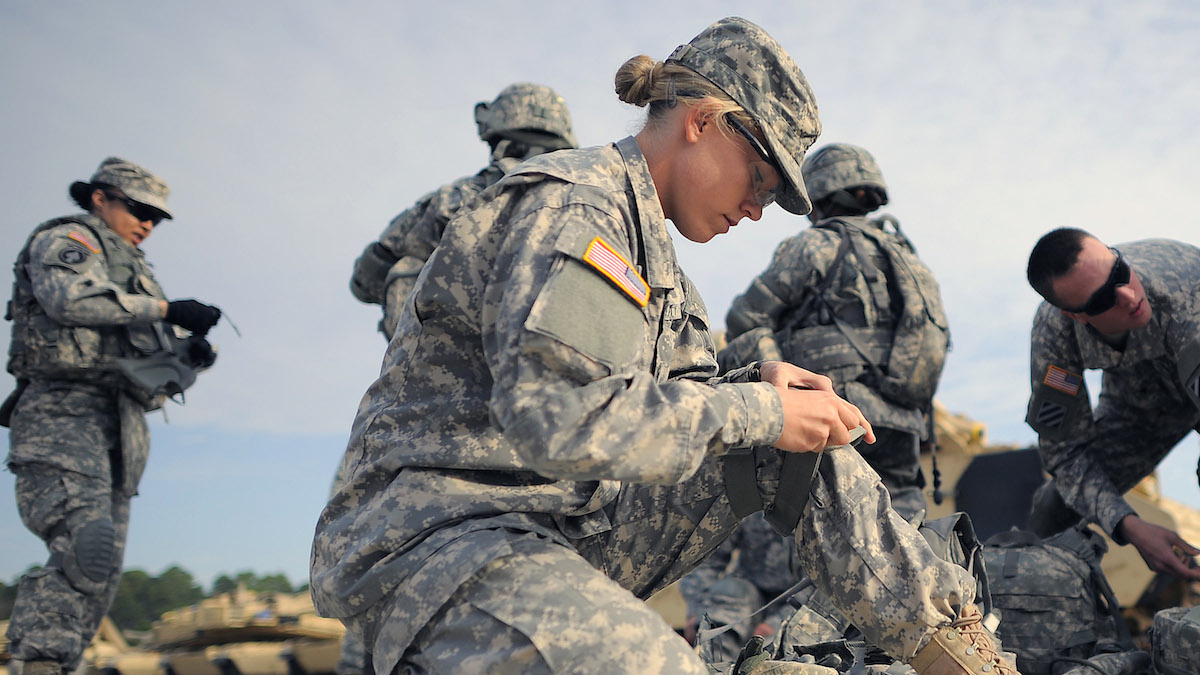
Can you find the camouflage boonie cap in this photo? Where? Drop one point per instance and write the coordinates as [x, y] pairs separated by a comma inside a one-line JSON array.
[[135, 182], [526, 112], [750, 66], [839, 166]]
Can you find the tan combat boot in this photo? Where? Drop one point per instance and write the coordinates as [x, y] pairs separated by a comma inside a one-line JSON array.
[[963, 646]]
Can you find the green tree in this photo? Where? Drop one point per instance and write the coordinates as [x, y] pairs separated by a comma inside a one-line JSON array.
[[276, 583], [223, 584], [270, 583], [142, 599]]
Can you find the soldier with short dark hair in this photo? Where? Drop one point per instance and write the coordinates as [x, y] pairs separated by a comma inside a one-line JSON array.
[[87, 313], [1132, 311]]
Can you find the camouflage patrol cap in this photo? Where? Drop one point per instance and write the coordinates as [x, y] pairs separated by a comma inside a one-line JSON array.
[[750, 66], [132, 180], [526, 112], [839, 166]]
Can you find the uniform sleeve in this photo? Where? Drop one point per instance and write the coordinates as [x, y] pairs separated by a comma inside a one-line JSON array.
[[1060, 412], [572, 390], [1137, 423], [70, 281]]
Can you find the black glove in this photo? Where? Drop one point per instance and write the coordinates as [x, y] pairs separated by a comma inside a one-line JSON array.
[[192, 315], [198, 353]]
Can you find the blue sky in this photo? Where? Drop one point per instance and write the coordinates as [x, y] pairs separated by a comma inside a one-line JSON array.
[[292, 132]]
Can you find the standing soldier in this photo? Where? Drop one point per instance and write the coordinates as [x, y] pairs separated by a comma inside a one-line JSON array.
[[87, 316], [524, 121], [1132, 312], [544, 445]]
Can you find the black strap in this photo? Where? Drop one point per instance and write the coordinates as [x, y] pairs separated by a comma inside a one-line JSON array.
[[795, 481], [741, 482]]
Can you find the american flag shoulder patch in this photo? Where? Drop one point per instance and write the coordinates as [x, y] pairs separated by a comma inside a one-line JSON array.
[[1063, 380], [83, 239], [618, 270]]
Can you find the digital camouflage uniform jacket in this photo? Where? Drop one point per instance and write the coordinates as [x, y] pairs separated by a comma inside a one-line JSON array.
[[84, 297], [799, 266], [552, 340], [1148, 393]]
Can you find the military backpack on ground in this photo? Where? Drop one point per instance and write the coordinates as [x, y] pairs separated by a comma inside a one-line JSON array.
[[1056, 603], [1175, 641]]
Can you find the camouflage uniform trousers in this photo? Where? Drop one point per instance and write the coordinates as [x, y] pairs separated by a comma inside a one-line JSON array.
[[550, 608], [895, 456], [55, 616], [59, 606]]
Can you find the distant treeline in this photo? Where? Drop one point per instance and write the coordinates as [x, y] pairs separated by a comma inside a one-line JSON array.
[[142, 599]]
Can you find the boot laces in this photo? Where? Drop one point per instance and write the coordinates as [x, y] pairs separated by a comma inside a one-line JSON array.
[[970, 626]]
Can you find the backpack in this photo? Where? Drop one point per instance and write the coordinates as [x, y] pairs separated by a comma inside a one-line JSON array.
[[1175, 641], [1057, 606], [903, 362]]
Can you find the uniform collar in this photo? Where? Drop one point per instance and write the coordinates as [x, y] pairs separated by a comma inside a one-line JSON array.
[[659, 253]]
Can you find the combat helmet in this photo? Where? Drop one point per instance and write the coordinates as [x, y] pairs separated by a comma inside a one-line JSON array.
[[839, 166], [528, 113]]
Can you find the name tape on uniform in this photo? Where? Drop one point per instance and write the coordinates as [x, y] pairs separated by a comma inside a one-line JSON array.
[[618, 270]]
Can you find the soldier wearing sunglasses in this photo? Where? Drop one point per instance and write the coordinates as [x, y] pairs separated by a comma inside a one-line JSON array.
[[1131, 312], [85, 305]]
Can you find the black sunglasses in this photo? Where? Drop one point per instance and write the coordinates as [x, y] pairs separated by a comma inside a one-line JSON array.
[[139, 210], [1105, 297]]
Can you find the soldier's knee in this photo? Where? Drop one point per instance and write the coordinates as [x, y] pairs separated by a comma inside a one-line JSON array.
[[88, 561]]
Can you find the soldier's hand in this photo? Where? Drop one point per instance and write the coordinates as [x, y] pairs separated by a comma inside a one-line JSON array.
[[1162, 549], [198, 353], [192, 315], [814, 419], [784, 374]]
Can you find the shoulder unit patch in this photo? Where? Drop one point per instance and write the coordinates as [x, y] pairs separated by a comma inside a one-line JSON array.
[[618, 270]]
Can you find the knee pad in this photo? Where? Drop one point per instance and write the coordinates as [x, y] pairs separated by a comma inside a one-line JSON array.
[[89, 562]]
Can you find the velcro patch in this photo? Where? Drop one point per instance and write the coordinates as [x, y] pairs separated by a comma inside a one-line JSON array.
[[1051, 414], [1063, 380], [83, 239], [618, 270]]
